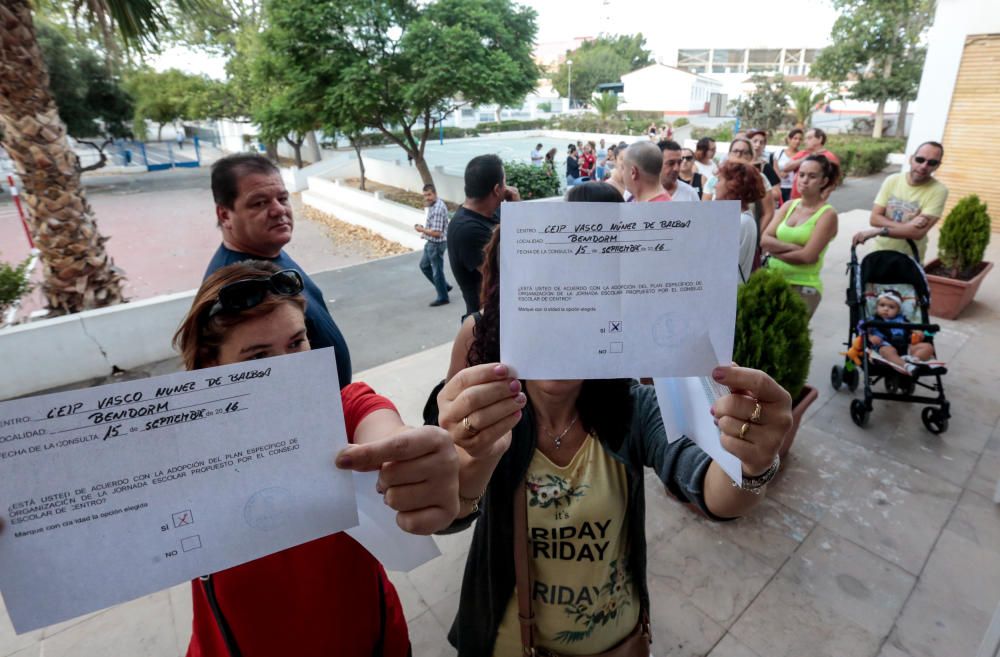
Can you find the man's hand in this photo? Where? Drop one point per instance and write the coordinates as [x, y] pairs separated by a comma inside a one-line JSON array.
[[511, 194], [920, 221], [863, 236], [418, 228], [418, 476]]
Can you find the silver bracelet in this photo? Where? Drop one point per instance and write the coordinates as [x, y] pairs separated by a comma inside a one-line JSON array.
[[756, 484]]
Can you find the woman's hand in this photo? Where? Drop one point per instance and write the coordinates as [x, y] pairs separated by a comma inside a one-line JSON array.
[[479, 406], [751, 436], [418, 476]]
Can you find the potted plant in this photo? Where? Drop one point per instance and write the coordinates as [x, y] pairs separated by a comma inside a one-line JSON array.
[[958, 271], [14, 284], [772, 335]]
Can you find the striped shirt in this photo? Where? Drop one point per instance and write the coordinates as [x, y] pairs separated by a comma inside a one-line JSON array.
[[437, 219]]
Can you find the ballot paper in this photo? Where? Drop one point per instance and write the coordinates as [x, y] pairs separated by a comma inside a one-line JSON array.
[[617, 290], [379, 533], [115, 492], [685, 405]]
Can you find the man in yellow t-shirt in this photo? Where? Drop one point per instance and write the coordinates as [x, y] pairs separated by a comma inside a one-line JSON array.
[[908, 204]]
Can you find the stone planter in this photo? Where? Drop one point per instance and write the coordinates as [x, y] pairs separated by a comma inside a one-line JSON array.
[[799, 406], [950, 296]]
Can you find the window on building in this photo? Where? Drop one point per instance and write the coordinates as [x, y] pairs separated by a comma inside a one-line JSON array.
[[728, 61], [693, 61], [792, 61], [765, 60]]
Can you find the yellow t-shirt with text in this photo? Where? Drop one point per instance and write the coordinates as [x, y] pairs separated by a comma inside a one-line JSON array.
[[584, 599], [900, 198]]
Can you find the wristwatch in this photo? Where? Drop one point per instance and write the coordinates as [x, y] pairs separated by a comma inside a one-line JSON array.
[[884, 232], [755, 484]]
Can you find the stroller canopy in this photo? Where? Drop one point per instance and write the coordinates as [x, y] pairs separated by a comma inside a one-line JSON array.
[[893, 267]]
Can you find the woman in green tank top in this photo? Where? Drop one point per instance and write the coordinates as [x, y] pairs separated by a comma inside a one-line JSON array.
[[798, 242]]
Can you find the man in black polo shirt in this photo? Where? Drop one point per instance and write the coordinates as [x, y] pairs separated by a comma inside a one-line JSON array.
[[472, 224]]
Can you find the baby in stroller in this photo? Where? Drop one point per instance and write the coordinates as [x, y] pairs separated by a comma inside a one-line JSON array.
[[888, 307]]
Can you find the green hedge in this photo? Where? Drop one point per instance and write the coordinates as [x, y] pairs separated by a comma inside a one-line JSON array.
[[723, 132], [681, 122], [511, 126], [531, 181], [14, 283]]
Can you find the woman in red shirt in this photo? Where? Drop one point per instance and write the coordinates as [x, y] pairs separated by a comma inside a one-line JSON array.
[[329, 596], [587, 160]]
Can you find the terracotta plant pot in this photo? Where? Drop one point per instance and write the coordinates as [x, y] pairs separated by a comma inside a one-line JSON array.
[[950, 296], [799, 406]]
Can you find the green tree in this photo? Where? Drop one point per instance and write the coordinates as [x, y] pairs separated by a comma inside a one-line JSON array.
[[601, 60], [395, 66], [878, 45], [91, 100], [804, 101], [606, 105], [78, 272], [169, 96], [764, 107]]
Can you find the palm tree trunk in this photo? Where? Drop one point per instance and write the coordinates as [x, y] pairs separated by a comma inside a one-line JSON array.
[[79, 275]]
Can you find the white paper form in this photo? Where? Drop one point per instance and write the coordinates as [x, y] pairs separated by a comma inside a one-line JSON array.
[[685, 405], [616, 290], [114, 492], [380, 534]]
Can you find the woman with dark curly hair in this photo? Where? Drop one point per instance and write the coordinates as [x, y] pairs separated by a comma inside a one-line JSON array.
[[741, 182], [566, 459]]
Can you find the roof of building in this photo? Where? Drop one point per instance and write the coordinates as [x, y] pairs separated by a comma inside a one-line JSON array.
[[673, 68]]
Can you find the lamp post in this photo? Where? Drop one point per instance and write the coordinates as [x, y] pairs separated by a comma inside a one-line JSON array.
[[569, 92]]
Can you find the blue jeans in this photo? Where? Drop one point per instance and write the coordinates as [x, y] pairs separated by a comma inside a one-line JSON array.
[[432, 264]]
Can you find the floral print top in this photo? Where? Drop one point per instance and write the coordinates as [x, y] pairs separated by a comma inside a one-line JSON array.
[[584, 600]]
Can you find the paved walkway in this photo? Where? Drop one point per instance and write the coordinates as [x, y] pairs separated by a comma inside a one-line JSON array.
[[881, 541]]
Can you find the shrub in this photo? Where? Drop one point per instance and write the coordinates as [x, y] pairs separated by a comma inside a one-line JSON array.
[[964, 235], [772, 330], [531, 181], [14, 284], [511, 125], [545, 107], [723, 132], [681, 122]]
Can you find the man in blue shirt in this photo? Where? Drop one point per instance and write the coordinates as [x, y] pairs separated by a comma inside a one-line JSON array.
[[254, 213]]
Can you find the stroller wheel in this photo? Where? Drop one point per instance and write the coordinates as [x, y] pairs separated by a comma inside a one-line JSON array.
[[908, 385], [859, 412], [851, 379], [837, 377], [891, 384], [934, 419]]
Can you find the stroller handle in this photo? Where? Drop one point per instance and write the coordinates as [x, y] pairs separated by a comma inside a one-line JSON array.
[[913, 248]]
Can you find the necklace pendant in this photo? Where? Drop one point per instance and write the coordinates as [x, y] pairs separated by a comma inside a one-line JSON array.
[[558, 442]]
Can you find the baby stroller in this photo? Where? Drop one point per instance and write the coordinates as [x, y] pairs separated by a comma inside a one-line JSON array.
[[878, 272]]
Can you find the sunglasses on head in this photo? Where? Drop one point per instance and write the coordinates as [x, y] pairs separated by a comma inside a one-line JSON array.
[[244, 295], [920, 159]]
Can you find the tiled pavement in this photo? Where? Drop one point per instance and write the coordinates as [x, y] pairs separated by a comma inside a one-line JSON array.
[[881, 541]]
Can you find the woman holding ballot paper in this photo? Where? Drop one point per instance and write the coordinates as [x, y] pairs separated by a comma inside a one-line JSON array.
[[554, 472], [329, 596]]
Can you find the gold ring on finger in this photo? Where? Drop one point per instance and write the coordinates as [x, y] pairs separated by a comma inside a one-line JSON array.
[[468, 426], [755, 416], [743, 430]]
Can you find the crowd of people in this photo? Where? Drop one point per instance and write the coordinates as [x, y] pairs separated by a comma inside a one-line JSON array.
[[501, 449]]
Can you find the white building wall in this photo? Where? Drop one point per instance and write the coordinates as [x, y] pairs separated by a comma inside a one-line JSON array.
[[954, 20], [665, 89]]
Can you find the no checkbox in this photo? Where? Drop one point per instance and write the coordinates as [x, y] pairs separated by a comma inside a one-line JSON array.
[[616, 347], [191, 543]]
